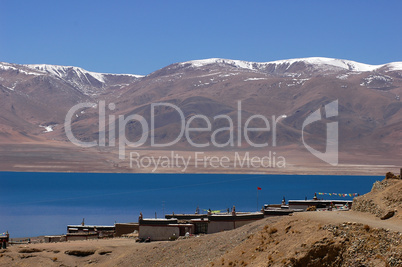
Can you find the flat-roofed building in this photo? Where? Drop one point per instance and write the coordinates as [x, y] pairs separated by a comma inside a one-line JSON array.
[[83, 232], [163, 229]]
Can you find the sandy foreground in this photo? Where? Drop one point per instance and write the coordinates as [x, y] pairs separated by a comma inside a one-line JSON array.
[[346, 237]]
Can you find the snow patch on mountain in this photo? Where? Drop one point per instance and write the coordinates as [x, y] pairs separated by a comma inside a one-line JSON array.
[[8, 66], [377, 81], [342, 77], [394, 66], [322, 61], [235, 63], [9, 88], [254, 79], [48, 128]]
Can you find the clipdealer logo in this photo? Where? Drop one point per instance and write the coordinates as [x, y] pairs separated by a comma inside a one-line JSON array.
[[237, 135], [330, 155]]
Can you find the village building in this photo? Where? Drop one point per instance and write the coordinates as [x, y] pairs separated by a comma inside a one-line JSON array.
[[213, 223], [84, 232], [320, 204], [163, 229]]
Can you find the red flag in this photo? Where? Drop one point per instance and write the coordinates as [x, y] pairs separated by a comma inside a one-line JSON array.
[[258, 188]]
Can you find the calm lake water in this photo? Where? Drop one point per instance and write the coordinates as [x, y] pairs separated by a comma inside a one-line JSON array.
[[33, 204]]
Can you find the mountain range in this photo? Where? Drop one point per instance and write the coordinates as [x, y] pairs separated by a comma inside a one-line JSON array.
[[34, 101]]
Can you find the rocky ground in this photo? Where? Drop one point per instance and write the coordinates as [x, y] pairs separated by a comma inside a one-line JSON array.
[[326, 238], [303, 241], [385, 197]]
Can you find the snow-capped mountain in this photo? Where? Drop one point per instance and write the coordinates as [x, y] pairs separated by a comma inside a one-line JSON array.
[[38, 97], [64, 71], [317, 62], [87, 82], [33, 97]]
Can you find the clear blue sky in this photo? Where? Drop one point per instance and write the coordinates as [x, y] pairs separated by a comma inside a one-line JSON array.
[[141, 37]]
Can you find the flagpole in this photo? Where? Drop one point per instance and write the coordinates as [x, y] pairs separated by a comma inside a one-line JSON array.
[[257, 198]]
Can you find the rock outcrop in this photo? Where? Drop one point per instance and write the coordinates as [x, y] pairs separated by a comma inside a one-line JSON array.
[[384, 200]]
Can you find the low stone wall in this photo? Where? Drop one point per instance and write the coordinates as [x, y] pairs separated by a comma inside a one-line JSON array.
[[366, 205], [125, 228], [219, 226]]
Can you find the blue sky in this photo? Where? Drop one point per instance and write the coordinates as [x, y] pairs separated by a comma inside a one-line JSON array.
[[141, 37]]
